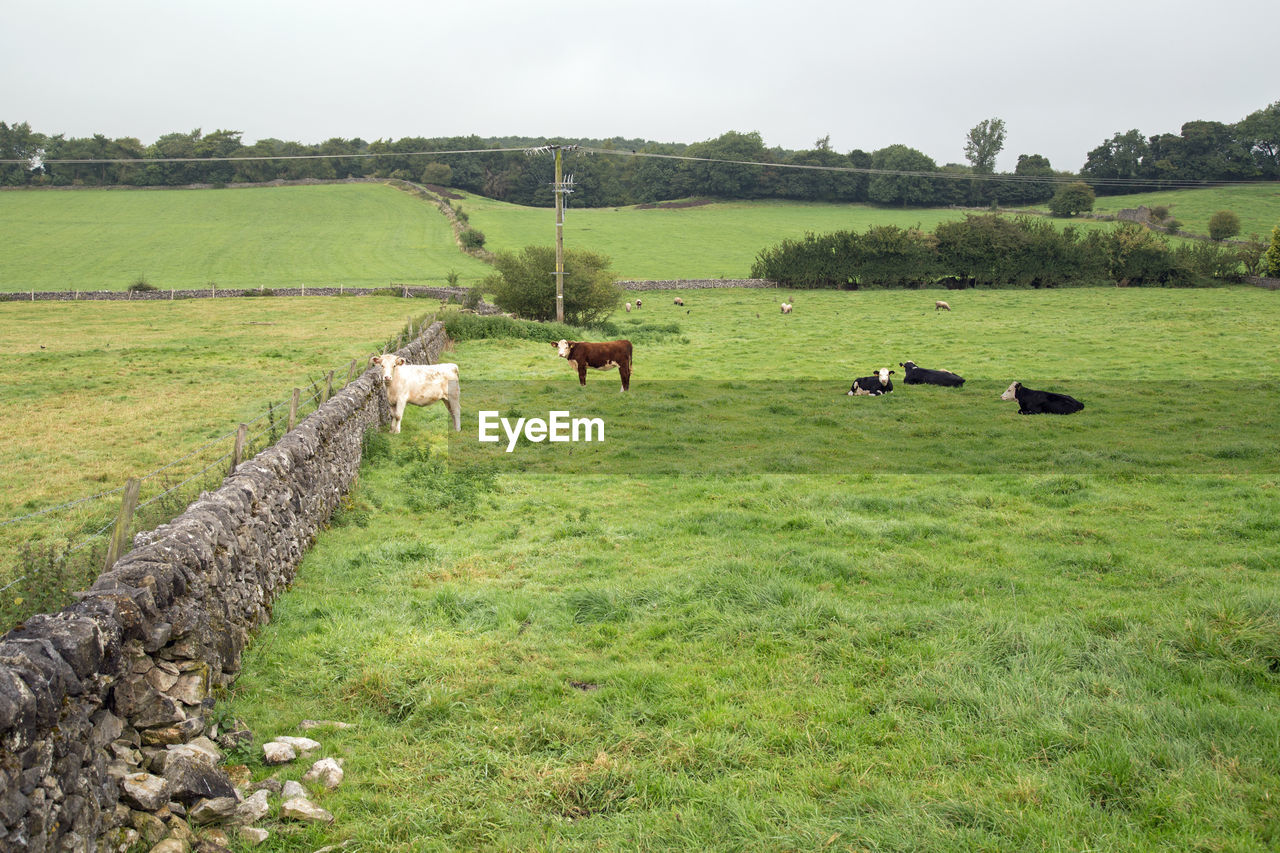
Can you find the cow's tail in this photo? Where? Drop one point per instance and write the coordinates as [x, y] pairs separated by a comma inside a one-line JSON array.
[[455, 404]]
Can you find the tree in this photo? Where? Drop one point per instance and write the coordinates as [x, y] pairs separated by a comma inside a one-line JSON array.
[[1070, 199], [902, 189], [984, 142], [1223, 225], [1260, 133], [1116, 159], [525, 285]]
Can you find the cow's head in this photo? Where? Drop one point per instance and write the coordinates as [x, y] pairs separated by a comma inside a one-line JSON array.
[[883, 373], [387, 363], [1011, 393], [907, 365], [562, 347]]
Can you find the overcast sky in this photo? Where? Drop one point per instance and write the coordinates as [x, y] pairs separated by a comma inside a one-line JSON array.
[[1063, 76]]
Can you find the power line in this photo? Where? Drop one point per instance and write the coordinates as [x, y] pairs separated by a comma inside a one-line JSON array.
[[1166, 183]]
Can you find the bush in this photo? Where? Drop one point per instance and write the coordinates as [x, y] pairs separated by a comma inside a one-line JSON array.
[[1273, 254], [1134, 255], [141, 286], [1075, 197], [525, 285], [1208, 261], [1223, 225], [472, 238]]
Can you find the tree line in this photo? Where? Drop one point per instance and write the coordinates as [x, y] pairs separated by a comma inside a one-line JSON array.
[[896, 175]]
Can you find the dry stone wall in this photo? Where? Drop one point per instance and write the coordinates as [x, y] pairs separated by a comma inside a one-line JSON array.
[[92, 697], [695, 283]]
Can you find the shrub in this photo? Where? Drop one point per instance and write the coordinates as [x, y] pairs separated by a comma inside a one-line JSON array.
[[1172, 226], [1273, 254], [1159, 213], [524, 284], [1070, 199], [1208, 261], [472, 238], [472, 298], [1252, 255], [1134, 255], [141, 286], [1223, 225]]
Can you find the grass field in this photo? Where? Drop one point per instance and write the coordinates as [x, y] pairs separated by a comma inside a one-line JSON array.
[[1257, 205], [915, 622], [358, 235], [716, 240], [372, 235], [97, 392]]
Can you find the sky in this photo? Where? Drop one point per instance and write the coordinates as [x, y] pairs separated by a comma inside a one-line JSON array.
[[1064, 77]]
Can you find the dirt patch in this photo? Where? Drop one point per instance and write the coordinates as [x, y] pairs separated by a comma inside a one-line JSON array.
[[443, 191], [669, 205]]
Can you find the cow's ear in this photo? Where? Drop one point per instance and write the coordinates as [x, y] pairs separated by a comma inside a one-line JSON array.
[[400, 361], [372, 359]]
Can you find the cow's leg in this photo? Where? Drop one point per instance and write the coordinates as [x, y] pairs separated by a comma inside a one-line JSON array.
[[453, 403], [582, 372], [397, 413], [625, 369]]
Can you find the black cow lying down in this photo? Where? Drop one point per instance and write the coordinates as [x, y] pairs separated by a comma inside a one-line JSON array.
[[924, 376], [872, 386], [1041, 402]]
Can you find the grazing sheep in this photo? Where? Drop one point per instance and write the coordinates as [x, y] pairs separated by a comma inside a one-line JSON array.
[[678, 301], [637, 303], [786, 308], [628, 307], [940, 304]]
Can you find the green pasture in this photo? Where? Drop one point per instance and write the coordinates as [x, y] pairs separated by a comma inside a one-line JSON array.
[[370, 235], [702, 240], [98, 392], [776, 617], [1257, 205], [357, 235]]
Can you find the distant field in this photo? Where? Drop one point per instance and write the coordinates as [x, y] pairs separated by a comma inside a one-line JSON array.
[[718, 240], [1257, 205], [359, 235], [373, 235]]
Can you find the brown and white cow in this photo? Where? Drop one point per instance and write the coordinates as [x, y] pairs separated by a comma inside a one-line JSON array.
[[419, 384], [604, 355]]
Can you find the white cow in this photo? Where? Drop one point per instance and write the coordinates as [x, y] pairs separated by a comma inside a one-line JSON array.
[[419, 384]]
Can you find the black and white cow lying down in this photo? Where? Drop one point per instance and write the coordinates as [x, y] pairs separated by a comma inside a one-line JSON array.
[[874, 385], [924, 376], [1041, 402]]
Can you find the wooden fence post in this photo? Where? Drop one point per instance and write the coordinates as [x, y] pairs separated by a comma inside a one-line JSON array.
[[293, 408], [351, 371], [237, 455], [328, 387], [120, 535]]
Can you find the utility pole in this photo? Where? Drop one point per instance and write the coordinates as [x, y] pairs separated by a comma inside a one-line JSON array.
[[562, 187]]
